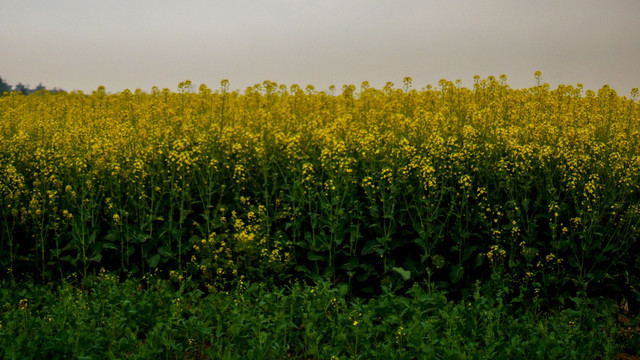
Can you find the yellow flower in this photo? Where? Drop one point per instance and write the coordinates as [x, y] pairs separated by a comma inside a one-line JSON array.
[[23, 304]]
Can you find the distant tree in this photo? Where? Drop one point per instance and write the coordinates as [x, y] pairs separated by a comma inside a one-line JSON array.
[[22, 88], [4, 86]]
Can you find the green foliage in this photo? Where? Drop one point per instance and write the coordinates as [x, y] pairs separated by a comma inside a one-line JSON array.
[[172, 318]]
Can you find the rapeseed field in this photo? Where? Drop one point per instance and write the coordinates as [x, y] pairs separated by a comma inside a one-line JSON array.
[[524, 199]]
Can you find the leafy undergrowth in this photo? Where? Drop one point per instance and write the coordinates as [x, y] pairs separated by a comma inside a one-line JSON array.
[[162, 318]]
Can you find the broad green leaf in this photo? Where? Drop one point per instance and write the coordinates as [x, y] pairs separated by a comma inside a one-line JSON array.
[[406, 275], [153, 261], [457, 271], [164, 251], [369, 247]]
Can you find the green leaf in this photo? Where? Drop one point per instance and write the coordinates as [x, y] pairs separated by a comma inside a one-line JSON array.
[[574, 262], [130, 250], [314, 256], [479, 260], [96, 258], [406, 275], [328, 272], [140, 237], [369, 247], [68, 258], [468, 251], [153, 261], [456, 273], [164, 251], [112, 235], [108, 245], [351, 263]]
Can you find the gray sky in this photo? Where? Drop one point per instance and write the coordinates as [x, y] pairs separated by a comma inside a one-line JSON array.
[[81, 44]]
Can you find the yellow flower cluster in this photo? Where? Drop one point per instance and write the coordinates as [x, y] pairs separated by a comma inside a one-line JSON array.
[[495, 253]]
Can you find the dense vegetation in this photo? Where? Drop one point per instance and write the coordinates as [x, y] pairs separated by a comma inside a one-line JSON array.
[[486, 212]]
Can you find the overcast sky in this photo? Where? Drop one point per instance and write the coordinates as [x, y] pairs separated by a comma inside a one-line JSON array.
[[82, 44]]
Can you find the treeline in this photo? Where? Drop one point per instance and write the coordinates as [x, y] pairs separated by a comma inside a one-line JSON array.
[[20, 87]]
